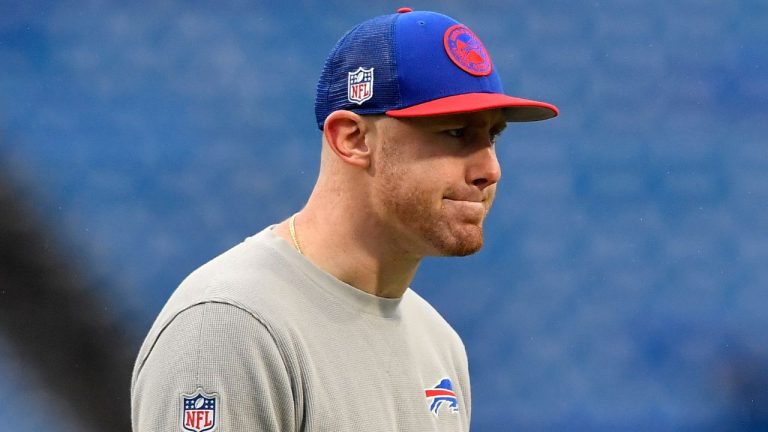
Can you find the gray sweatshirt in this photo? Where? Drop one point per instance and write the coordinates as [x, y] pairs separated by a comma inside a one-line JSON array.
[[260, 339]]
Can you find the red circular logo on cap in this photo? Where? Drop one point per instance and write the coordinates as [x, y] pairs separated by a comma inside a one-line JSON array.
[[466, 50]]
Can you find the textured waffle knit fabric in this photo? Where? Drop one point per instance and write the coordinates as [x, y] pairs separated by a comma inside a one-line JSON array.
[[260, 339]]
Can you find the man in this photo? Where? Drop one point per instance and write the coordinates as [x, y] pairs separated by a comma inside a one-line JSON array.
[[310, 325]]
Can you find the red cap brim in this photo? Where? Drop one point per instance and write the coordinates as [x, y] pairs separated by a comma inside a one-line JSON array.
[[515, 109]]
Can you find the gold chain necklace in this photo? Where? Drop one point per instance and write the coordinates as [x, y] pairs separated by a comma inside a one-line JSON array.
[[292, 229]]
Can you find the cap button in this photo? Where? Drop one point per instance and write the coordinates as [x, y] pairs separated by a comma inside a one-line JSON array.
[[404, 10]]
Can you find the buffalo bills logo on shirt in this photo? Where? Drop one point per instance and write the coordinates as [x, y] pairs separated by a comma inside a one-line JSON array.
[[442, 394], [199, 411], [466, 50], [360, 85]]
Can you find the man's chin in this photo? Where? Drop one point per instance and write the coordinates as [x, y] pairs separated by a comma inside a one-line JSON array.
[[463, 242], [465, 250]]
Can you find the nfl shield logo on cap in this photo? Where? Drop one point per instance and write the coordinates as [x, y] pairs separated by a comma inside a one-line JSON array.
[[199, 411], [360, 85]]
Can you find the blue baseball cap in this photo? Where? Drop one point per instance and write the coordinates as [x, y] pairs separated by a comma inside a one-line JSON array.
[[416, 64]]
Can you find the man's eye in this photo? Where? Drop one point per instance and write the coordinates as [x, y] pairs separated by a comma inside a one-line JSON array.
[[456, 133]]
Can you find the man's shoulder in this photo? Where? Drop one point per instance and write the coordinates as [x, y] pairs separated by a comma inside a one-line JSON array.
[[250, 280], [252, 275], [419, 309], [236, 270]]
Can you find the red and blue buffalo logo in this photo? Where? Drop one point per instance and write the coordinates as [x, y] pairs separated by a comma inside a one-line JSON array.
[[199, 412], [442, 394]]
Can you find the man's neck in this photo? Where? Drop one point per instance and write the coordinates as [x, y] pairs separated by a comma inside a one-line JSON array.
[[354, 252]]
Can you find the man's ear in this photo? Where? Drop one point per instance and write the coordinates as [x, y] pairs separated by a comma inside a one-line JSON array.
[[344, 131]]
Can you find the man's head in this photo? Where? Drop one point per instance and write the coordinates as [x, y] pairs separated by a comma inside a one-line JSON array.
[[425, 184], [410, 107]]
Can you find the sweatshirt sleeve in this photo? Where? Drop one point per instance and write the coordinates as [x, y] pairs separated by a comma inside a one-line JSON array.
[[214, 367]]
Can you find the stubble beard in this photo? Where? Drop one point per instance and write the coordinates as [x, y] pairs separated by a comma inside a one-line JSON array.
[[414, 210]]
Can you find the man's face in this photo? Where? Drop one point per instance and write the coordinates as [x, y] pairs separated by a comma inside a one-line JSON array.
[[435, 180]]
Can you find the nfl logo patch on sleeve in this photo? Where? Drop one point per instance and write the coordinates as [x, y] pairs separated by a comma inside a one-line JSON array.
[[199, 411], [360, 85]]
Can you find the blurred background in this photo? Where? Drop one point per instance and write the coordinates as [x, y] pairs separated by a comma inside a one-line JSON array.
[[624, 282]]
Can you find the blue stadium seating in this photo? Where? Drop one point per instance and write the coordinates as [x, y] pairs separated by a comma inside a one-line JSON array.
[[622, 286]]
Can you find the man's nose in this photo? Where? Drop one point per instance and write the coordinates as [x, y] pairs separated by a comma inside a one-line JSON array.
[[484, 170]]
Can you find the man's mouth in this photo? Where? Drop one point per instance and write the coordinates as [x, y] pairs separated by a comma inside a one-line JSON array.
[[467, 204]]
